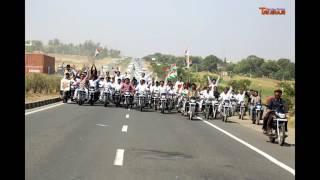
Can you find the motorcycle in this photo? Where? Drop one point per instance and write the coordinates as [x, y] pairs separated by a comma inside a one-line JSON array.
[[233, 101], [141, 100], [81, 96], [225, 110], [192, 107], [171, 102], [92, 96], [215, 106], [106, 96], [256, 114], [278, 130], [116, 97], [155, 100], [208, 108], [72, 90], [163, 102], [127, 97], [184, 102], [241, 110]]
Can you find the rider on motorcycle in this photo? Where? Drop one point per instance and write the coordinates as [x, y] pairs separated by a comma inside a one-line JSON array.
[[213, 83], [225, 95], [254, 99], [276, 104], [83, 83], [103, 85], [127, 87], [142, 87], [204, 95], [65, 84]]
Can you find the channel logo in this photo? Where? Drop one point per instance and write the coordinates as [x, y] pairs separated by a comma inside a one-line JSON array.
[[272, 11]]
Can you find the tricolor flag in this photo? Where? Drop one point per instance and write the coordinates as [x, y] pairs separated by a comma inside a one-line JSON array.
[[97, 52], [172, 73]]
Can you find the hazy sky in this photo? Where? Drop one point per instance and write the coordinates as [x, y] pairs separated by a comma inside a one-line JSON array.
[[225, 28]]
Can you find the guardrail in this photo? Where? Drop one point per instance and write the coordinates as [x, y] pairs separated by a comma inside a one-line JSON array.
[[42, 103]]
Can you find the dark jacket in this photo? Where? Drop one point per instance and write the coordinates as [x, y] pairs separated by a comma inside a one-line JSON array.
[[278, 105]]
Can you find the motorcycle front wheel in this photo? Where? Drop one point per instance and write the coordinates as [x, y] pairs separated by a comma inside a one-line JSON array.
[[282, 133]]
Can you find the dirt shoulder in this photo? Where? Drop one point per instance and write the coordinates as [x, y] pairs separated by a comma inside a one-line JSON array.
[[29, 98], [248, 123]]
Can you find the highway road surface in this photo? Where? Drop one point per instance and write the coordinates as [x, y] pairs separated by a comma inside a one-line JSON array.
[[71, 142]]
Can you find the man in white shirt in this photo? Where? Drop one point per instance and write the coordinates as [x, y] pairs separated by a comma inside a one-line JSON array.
[[179, 84], [65, 84], [141, 87], [118, 76], [155, 89], [162, 88], [225, 95], [240, 96], [213, 82]]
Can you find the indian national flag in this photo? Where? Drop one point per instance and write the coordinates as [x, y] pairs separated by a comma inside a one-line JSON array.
[[173, 67], [172, 74]]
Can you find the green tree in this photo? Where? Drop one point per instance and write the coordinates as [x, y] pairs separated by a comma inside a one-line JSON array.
[[210, 63]]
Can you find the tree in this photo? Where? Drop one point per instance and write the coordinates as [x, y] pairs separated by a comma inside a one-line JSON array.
[[210, 63]]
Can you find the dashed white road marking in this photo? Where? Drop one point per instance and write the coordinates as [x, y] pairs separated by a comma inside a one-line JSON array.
[[267, 156], [127, 116], [118, 161], [42, 109], [124, 128]]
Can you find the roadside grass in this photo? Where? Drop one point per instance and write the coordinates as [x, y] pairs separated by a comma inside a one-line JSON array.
[[42, 83]]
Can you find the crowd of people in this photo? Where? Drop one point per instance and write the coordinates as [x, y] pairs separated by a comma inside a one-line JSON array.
[[122, 82]]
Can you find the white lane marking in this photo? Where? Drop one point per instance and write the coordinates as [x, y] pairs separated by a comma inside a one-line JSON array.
[[272, 159], [124, 128], [42, 109], [101, 125], [118, 161], [127, 116], [128, 109]]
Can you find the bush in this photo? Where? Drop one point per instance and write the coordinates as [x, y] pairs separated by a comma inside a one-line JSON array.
[[288, 94], [240, 84], [42, 83]]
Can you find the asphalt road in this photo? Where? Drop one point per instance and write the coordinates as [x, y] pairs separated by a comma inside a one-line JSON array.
[[71, 142]]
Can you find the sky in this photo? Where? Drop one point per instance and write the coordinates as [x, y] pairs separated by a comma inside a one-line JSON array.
[[233, 29]]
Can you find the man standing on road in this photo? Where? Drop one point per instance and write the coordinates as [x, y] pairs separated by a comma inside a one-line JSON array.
[[277, 104]]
